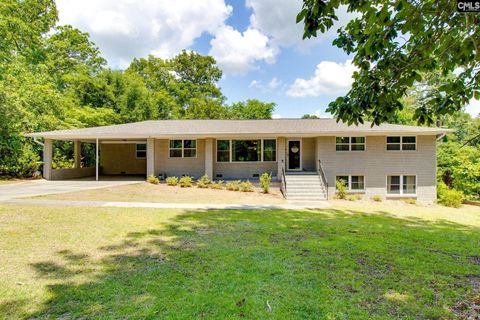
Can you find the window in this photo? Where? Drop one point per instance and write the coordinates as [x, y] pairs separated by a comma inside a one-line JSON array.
[[401, 185], [223, 150], [402, 143], [353, 183], [246, 150], [350, 143], [183, 148], [269, 150], [141, 150]]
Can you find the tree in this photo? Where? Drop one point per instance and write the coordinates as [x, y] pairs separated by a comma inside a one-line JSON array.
[[310, 116], [395, 43], [250, 109]]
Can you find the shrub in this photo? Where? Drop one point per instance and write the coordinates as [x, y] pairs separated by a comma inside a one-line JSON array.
[[152, 179], [204, 182], [185, 182], [409, 200], [358, 197], [216, 185], [341, 189], [451, 198], [172, 181], [233, 185], [246, 186], [377, 198], [350, 198], [265, 180]]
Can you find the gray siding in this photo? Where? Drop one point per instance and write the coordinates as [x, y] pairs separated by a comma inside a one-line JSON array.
[[376, 163]]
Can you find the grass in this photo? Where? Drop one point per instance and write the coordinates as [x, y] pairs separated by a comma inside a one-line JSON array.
[[366, 262], [146, 192]]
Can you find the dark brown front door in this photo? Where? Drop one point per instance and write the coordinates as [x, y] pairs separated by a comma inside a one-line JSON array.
[[294, 155]]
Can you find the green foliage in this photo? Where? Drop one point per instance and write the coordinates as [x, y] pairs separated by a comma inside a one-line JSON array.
[[250, 109], [394, 44], [265, 180], [310, 116], [233, 185], [377, 198], [204, 182], [350, 198], [171, 181], [409, 200], [341, 189], [152, 179], [246, 186], [185, 182], [218, 185], [449, 197]]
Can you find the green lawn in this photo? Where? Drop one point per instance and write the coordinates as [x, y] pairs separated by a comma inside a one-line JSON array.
[[369, 262]]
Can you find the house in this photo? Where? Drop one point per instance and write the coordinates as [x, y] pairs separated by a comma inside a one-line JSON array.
[[306, 155]]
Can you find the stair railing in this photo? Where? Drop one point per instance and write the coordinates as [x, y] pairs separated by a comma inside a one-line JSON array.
[[283, 184], [323, 176]]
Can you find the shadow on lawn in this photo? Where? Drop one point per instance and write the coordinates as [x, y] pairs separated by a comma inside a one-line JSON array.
[[270, 264]]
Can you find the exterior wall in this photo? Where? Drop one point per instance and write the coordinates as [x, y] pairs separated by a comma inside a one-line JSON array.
[[308, 154], [241, 170], [376, 163], [179, 166], [71, 173], [121, 159]]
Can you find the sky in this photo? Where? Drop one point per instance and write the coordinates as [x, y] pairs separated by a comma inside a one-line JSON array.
[[256, 43]]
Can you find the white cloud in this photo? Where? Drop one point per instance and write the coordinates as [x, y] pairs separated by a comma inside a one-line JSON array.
[[276, 116], [473, 108], [323, 114], [329, 78], [270, 86], [277, 19], [274, 83], [124, 29], [237, 52]]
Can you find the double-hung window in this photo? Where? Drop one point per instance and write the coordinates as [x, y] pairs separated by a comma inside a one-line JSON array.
[[270, 150], [350, 143], [402, 143], [353, 183], [401, 185], [183, 148], [141, 151], [223, 150]]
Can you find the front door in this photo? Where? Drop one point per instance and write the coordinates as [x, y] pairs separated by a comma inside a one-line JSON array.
[[294, 155]]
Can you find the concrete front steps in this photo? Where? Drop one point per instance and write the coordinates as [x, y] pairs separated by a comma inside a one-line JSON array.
[[304, 186]]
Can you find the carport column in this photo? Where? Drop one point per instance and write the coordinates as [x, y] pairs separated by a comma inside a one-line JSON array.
[[96, 159], [209, 157], [282, 165], [47, 158], [150, 157], [77, 153]]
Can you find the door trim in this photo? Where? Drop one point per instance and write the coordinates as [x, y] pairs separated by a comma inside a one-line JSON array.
[[288, 157]]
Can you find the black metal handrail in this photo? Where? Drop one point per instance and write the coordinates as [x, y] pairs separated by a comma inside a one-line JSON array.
[[323, 176], [283, 185]]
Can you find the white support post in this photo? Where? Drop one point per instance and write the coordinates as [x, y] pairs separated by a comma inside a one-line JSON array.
[[96, 159], [281, 158], [209, 157], [150, 157], [47, 159], [77, 153]]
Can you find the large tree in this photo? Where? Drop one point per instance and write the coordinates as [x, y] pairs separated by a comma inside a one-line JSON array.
[[395, 43]]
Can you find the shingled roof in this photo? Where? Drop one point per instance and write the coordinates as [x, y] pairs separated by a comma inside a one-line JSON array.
[[225, 128]]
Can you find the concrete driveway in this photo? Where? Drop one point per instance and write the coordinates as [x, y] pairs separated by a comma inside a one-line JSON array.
[[43, 187]]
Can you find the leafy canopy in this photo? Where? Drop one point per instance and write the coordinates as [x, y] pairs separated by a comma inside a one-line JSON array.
[[395, 43]]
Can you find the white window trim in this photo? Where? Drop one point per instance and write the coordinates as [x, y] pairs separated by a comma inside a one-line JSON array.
[[401, 194], [350, 143], [261, 150], [136, 151], [401, 143], [349, 183], [183, 149]]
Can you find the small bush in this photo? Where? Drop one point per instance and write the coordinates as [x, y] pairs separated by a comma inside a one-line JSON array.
[[341, 189], [451, 198], [185, 182], [172, 181], [216, 185], [358, 197], [233, 185], [152, 179], [410, 200], [350, 198], [204, 182], [377, 198], [246, 186], [265, 180]]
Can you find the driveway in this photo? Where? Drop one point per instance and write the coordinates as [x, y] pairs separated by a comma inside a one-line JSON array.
[[43, 187]]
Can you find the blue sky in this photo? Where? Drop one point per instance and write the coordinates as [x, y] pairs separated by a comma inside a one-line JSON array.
[[255, 42]]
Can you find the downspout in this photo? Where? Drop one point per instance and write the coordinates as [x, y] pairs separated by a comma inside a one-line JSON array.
[[38, 142]]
